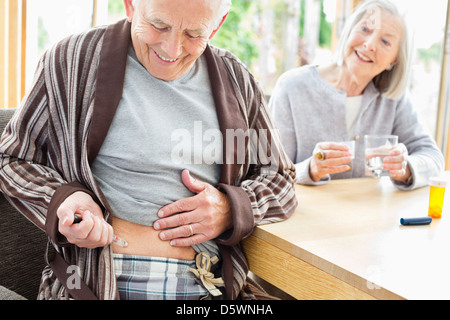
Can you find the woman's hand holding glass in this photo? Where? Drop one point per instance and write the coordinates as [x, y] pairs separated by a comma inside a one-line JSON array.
[[329, 158], [397, 163]]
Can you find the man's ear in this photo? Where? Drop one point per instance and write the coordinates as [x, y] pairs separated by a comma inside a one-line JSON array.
[[217, 29], [129, 9]]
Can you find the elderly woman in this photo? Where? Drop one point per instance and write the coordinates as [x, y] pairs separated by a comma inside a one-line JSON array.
[[93, 140], [363, 92]]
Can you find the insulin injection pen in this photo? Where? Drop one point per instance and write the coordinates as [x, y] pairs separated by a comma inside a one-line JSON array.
[[117, 240], [415, 221]]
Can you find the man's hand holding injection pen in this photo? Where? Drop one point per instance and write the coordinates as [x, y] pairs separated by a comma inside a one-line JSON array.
[[81, 222]]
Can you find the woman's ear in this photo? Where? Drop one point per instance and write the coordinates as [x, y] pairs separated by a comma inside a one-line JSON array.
[[129, 9], [217, 29], [391, 65]]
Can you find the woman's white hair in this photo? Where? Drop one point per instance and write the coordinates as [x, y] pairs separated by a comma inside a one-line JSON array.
[[224, 8], [391, 83]]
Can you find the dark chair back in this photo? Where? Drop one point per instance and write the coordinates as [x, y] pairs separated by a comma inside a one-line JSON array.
[[22, 244]]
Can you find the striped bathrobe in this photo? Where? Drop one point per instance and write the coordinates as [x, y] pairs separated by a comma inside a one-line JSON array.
[[52, 140]]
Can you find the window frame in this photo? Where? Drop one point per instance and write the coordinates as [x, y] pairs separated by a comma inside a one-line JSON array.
[[13, 62]]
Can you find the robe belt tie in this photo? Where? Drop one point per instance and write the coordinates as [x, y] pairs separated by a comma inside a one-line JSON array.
[[204, 262]]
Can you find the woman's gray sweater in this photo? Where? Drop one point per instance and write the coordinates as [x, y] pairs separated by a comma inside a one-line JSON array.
[[308, 110]]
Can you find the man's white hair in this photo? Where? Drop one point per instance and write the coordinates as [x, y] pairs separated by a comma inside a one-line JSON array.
[[224, 8]]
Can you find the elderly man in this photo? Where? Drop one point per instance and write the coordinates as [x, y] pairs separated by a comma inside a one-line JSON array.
[[89, 158]]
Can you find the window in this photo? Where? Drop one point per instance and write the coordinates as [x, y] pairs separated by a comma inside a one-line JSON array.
[[269, 36], [49, 21], [427, 60], [12, 37]]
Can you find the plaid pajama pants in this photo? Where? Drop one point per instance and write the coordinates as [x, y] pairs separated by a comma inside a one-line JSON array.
[[157, 278]]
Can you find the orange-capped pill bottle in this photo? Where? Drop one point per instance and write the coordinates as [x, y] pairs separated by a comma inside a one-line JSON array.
[[437, 192]]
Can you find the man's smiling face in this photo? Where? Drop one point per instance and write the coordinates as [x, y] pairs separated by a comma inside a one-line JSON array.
[[168, 36]]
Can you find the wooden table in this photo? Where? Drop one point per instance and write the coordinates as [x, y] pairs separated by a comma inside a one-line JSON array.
[[345, 241]]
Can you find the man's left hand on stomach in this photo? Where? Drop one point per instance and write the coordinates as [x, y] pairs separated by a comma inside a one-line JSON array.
[[196, 219]]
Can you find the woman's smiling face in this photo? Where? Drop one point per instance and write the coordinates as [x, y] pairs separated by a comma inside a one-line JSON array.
[[168, 36], [374, 44]]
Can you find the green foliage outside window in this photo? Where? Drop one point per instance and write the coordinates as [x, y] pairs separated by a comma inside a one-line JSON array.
[[236, 34], [326, 29], [116, 6]]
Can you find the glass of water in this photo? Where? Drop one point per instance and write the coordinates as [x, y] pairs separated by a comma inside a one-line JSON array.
[[376, 148]]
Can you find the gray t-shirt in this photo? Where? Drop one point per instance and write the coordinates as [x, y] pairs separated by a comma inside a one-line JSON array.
[[158, 130]]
